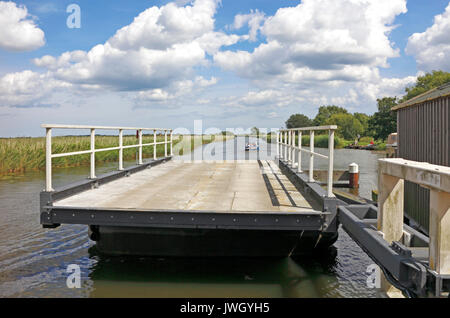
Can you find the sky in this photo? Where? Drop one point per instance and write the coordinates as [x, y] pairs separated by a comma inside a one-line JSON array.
[[227, 63]]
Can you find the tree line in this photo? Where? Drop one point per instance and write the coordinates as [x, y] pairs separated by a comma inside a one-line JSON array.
[[377, 126]]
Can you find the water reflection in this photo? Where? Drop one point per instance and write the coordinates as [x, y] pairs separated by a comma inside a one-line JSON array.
[[150, 277]]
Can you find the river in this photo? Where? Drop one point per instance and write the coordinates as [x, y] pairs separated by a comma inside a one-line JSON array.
[[33, 261]]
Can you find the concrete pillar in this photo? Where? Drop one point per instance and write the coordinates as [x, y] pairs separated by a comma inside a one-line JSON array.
[[390, 207], [353, 171], [440, 231], [390, 219]]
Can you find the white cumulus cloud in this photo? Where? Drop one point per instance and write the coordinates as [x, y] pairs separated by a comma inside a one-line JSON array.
[[18, 32], [432, 47], [320, 40], [160, 47]]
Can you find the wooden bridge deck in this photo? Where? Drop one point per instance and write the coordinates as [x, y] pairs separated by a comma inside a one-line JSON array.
[[239, 186]]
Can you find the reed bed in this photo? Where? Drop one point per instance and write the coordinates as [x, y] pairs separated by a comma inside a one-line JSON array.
[[18, 155]]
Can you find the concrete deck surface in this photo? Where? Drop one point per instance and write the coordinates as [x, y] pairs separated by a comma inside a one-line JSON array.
[[223, 186]]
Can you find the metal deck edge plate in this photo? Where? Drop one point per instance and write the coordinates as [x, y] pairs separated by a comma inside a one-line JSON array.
[[53, 216]]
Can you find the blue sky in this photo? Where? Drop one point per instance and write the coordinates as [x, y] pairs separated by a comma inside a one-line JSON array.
[[230, 63]]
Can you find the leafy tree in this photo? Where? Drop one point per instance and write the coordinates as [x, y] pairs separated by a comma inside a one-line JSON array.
[[325, 112], [384, 122], [255, 131], [298, 121], [425, 83], [364, 120], [348, 126]]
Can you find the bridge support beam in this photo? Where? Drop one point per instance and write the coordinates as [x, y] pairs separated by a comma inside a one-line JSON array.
[[390, 207], [440, 232]]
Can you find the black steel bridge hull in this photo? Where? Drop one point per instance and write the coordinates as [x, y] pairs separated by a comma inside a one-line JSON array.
[[207, 243]]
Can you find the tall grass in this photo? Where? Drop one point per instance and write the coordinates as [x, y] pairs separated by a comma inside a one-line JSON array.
[[22, 154], [18, 155]]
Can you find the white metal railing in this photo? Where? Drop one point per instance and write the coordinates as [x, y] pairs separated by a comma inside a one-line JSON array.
[[291, 151], [92, 151]]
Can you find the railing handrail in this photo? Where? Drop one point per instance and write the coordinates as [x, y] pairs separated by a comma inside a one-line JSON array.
[[287, 146], [316, 128], [58, 126], [92, 151]]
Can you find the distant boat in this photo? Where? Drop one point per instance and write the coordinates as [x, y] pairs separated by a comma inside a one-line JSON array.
[[249, 147]]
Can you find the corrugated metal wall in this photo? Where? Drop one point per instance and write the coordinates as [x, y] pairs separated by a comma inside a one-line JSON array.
[[423, 132]]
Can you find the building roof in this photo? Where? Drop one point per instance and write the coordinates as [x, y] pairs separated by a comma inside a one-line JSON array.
[[434, 93]]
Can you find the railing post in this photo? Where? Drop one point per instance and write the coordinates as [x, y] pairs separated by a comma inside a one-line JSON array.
[[311, 157], [120, 149], [92, 176], [278, 145], [292, 145], [330, 163], [285, 147], [299, 152], [140, 147], [48, 160], [154, 145], [165, 143], [171, 143]]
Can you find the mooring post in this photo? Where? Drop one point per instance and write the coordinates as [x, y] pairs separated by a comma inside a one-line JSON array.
[[353, 172], [311, 156], [48, 160], [154, 145], [92, 176], [330, 163], [439, 258], [140, 147], [299, 152]]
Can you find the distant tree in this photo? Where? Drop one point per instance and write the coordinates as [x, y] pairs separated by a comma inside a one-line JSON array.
[[384, 122], [348, 126], [298, 121], [255, 131], [364, 120], [425, 83], [325, 112]]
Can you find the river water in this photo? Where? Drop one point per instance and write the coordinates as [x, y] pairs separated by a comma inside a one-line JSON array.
[[33, 261]]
